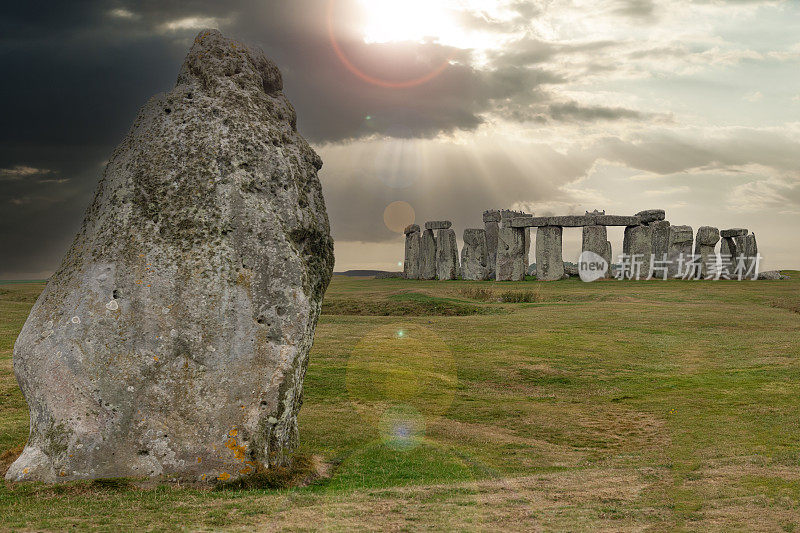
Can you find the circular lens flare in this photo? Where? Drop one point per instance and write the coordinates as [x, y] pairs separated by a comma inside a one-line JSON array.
[[389, 84]]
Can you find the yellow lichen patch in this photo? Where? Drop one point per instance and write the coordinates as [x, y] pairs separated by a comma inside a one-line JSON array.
[[199, 459], [238, 451], [246, 470], [224, 476], [155, 358], [233, 433], [25, 471]]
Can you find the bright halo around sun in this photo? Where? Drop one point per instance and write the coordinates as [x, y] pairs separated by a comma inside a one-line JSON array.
[[409, 20]]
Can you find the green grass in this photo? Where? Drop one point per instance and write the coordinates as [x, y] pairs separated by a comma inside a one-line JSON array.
[[559, 406]]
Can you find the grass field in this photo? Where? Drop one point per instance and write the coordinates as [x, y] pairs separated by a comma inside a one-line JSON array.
[[501, 406]]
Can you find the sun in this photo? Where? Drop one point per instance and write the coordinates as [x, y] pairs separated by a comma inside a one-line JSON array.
[[409, 20]]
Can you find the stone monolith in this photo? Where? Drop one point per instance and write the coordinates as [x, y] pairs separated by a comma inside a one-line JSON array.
[[660, 239], [491, 223], [595, 239], [679, 252], [174, 337], [474, 257], [411, 263], [549, 262], [446, 254], [705, 248], [427, 255], [639, 240], [510, 249]]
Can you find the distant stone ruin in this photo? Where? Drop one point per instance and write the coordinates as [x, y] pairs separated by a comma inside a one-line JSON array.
[[651, 248]]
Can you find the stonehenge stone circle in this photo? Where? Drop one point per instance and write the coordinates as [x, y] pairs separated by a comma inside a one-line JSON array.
[[174, 338], [705, 247], [510, 249], [411, 263], [474, 256], [446, 254], [640, 246], [648, 236], [491, 220], [595, 239], [549, 262], [680, 244], [427, 255]]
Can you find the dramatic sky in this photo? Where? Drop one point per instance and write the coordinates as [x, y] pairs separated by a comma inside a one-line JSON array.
[[449, 106]]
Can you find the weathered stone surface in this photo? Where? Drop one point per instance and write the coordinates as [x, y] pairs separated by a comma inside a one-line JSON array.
[[412, 257], [446, 254], [772, 275], [750, 250], [491, 215], [510, 250], [427, 255], [733, 232], [660, 239], [640, 246], [438, 224], [474, 256], [574, 221], [707, 236], [651, 215], [571, 270], [705, 247], [617, 220], [411, 228], [595, 239], [596, 213], [174, 337], [492, 229], [549, 262], [728, 247], [680, 249]]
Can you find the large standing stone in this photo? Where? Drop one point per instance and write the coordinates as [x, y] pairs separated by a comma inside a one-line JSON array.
[[474, 256], [507, 216], [639, 240], [549, 262], [446, 254], [491, 222], [174, 337], [750, 251], [660, 239], [705, 248], [510, 250], [595, 239], [679, 253], [411, 263], [427, 255]]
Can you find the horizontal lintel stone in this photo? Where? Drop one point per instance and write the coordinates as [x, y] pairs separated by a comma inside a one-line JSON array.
[[733, 232], [438, 224]]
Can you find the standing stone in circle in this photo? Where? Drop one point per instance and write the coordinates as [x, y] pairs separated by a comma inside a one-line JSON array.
[[491, 221], [446, 254], [595, 239], [705, 247], [680, 249], [640, 245], [474, 255], [438, 224], [507, 216], [510, 250], [174, 337], [649, 216], [427, 255], [750, 252], [660, 239], [610, 255], [412, 257], [549, 262]]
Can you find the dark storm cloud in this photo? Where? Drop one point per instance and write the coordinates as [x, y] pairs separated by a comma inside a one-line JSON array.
[[575, 112]]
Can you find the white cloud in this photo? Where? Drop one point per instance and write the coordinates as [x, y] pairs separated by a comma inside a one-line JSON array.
[[22, 171], [756, 96]]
